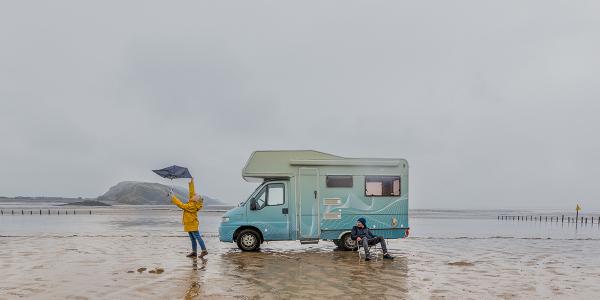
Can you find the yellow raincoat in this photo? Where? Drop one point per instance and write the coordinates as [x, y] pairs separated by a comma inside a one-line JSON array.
[[190, 209]]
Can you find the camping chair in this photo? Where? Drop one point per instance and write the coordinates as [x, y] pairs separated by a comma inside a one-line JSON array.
[[374, 249]]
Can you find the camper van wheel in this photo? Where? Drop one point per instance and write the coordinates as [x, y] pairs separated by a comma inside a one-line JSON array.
[[347, 243], [248, 240]]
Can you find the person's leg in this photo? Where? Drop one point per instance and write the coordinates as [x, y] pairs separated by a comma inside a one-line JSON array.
[[193, 239], [373, 241], [365, 244], [383, 245], [199, 239], [202, 246], [386, 255]]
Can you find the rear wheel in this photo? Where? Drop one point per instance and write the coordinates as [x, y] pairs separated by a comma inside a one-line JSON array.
[[347, 243], [248, 240]]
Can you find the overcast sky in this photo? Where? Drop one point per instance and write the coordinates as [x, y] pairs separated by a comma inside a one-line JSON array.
[[495, 104]]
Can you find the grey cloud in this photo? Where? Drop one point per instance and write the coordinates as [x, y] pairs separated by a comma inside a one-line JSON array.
[[493, 104]]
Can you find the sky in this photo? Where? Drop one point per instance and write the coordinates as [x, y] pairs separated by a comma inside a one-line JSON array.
[[495, 104]]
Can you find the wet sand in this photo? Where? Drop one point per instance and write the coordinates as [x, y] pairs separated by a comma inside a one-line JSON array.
[[109, 263]]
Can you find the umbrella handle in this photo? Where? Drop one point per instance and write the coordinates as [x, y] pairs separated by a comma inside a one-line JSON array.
[[171, 189]]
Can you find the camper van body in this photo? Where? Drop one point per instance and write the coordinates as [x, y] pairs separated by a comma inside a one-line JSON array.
[[311, 196]]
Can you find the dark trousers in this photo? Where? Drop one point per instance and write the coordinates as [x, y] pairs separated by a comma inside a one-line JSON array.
[[372, 241], [195, 237]]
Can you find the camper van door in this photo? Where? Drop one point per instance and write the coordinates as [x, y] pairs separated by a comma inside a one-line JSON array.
[[308, 189], [269, 211]]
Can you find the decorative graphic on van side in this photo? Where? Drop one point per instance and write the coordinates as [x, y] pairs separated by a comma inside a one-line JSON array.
[[381, 214]]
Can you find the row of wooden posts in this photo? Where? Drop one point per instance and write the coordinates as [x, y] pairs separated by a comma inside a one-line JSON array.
[[41, 212], [561, 219]]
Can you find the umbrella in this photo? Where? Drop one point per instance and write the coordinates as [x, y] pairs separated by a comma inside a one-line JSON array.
[[173, 172]]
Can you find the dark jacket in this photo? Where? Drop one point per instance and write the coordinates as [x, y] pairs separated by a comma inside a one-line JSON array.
[[362, 233]]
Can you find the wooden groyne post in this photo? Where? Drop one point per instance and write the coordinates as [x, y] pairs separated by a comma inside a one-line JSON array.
[[41, 212], [561, 219]]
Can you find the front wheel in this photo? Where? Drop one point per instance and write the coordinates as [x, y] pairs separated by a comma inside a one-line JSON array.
[[248, 240], [347, 243]]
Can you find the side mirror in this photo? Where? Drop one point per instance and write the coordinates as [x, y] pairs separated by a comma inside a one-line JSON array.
[[253, 204]]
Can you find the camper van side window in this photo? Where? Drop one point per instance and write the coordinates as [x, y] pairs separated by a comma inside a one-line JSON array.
[[339, 181], [276, 194], [382, 186]]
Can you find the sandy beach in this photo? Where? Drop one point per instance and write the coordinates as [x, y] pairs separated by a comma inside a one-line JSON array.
[[125, 253]]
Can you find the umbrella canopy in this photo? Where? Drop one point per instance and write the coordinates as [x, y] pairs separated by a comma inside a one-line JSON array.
[[173, 172]]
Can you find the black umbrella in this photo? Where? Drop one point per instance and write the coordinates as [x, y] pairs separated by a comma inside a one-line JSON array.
[[173, 172]]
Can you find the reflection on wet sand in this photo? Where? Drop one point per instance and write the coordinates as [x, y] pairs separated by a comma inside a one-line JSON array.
[[315, 273], [203, 262], [195, 288]]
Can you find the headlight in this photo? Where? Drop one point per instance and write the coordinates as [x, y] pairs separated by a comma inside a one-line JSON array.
[[225, 219]]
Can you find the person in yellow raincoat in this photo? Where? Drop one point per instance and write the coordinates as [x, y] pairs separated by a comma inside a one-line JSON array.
[[190, 219]]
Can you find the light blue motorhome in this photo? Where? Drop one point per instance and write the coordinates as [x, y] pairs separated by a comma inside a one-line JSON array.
[[311, 196]]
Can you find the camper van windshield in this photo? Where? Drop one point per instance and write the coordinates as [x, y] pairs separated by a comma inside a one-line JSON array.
[[258, 188], [270, 194]]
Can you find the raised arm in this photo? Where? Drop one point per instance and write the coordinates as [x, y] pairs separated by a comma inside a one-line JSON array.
[[191, 188], [190, 206]]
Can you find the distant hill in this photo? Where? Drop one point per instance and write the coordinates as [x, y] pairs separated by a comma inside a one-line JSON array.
[[146, 193], [86, 203], [126, 192]]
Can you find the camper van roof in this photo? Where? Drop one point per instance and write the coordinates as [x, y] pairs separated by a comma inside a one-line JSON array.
[[283, 163]]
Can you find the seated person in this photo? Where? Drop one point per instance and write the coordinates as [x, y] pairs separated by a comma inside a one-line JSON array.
[[362, 234]]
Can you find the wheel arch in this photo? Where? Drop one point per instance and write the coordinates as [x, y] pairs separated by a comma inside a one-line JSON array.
[[342, 234]]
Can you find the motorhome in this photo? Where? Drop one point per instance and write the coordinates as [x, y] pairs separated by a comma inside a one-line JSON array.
[[312, 196]]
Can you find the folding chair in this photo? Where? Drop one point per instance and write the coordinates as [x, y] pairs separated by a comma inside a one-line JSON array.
[[374, 250]]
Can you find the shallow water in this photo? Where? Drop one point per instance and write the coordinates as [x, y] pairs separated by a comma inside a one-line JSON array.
[[449, 255]]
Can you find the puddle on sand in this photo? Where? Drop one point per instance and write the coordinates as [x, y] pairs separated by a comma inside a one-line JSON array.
[[461, 264], [308, 274]]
